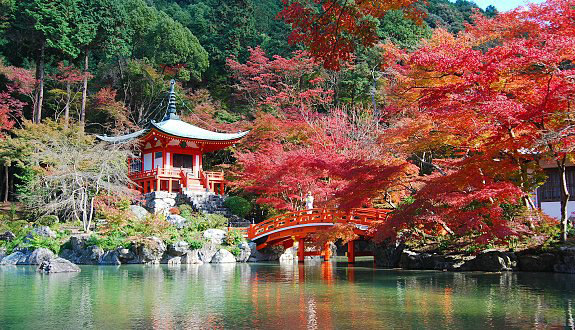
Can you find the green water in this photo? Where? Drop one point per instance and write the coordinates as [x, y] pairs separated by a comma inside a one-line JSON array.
[[273, 296]]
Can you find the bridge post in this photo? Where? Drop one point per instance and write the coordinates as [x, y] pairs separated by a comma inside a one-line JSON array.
[[326, 251], [351, 252], [300, 250]]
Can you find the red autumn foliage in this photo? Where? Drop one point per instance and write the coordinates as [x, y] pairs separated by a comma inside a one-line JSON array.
[[332, 29], [19, 85], [112, 113], [332, 156], [503, 88], [289, 84]]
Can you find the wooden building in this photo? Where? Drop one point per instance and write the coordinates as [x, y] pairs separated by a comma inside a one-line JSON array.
[[171, 153]]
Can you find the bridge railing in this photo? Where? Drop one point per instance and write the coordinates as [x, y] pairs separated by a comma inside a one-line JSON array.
[[360, 216]]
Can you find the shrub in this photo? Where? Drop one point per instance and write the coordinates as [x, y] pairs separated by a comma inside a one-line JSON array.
[[186, 211], [238, 206], [234, 237], [109, 242], [175, 210], [38, 242], [195, 244], [203, 222], [236, 251], [48, 220]]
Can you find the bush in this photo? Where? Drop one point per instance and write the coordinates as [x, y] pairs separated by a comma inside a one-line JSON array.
[[238, 206], [236, 251], [204, 222], [195, 244], [186, 211], [38, 242], [48, 220], [234, 237], [175, 210], [109, 242]]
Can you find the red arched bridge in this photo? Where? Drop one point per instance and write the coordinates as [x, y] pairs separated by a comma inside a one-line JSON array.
[[295, 226]]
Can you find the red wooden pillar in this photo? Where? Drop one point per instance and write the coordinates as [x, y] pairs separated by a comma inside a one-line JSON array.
[[170, 185], [300, 250], [222, 188], [351, 252]]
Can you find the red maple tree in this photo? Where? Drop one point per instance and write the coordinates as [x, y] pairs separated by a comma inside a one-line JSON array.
[[332, 29]]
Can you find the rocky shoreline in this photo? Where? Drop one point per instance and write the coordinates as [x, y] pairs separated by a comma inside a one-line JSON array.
[[153, 250], [561, 260]]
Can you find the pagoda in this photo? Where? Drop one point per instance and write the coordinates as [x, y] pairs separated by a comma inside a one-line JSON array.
[[171, 153]]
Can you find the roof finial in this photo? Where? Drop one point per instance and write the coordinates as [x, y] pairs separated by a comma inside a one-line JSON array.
[[172, 103]]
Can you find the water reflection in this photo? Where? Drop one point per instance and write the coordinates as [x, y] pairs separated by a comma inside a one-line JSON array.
[[301, 296]]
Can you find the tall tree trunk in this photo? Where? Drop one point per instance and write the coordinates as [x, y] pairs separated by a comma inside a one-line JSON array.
[[6, 183], [84, 88], [37, 115], [564, 197], [67, 107]]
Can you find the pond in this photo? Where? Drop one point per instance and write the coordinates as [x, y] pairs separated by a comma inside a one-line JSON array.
[[272, 296]]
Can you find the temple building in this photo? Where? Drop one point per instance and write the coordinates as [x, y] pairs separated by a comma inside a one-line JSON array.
[[171, 153]]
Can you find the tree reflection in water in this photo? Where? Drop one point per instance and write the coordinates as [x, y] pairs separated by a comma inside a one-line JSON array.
[[313, 295]]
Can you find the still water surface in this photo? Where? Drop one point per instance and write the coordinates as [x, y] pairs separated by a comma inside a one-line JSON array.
[[274, 296]]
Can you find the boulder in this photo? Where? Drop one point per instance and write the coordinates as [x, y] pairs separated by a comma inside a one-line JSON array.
[[245, 252], [223, 256], [7, 236], [44, 231], [216, 236], [388, 256], [140, 212], [494, 261], [566, 260], [149, 250], [110, 258], [288, 255], [207, 252], [14, 258], [126, 256], [270, 253], [37, 256], [191, 257], [414, 260], [177, 221], [174, 261], [57, 265], [537, 263], [178, 249]]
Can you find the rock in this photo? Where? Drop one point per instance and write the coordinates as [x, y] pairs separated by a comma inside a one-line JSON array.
[[7, 236], [388, 256], [191, 257], [245, 252], [271, 253], [494, 261], [110, 258], [178, 249], [537, 263], [216, 236], [37, 256], [14, 258], [414, 260], [174, 261], [44, 231], [90, 256], [2, 253], [288, 255], [149, 250], [223, 256], [207, 252], [140, 212], [125, 255], [566, 260], [80, 254], [57, 265], [177, 221], [78, 243]]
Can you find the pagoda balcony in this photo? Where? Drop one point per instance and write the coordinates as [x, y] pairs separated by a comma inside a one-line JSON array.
[[177, 180]]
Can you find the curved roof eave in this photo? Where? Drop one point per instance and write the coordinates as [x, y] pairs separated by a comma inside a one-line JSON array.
[[182, 129]]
